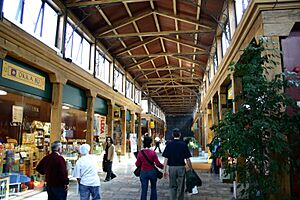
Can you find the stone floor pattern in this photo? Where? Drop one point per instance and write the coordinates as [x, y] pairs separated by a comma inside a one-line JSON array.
[[127, 187]]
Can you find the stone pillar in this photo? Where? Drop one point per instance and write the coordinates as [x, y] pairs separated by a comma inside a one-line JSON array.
[[123, 129], [90, 118], [56, 108]]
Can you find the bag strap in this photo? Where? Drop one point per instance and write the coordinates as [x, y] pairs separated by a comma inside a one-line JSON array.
[[145, 156]]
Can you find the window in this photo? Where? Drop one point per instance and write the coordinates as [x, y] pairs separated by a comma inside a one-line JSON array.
[[36, 17], [137, 96], [225, 38], [102, 68], [240, 7], [129, 87], [77, 48], [215, 62], [118, 81]]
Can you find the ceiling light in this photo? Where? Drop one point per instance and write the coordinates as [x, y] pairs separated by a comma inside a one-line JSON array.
[[2, 92]]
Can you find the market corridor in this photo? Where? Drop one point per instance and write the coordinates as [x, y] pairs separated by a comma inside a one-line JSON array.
[[127, 187]]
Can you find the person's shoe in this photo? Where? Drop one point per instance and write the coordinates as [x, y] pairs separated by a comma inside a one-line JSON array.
[[106, 180], [113, 176]]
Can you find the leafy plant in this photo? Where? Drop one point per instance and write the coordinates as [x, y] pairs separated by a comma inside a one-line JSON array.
[[192, 143], [256, 135]]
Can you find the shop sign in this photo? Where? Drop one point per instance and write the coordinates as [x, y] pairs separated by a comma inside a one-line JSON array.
[[102, 125], [18, 74], [117, 111], [152, 125]]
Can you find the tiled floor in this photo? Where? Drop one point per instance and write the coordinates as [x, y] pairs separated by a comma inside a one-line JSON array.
[[127, 187]]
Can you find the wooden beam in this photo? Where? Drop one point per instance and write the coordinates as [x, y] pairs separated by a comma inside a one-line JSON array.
[[99, 2], [172, 86], [172, 78], [104, 30], [135, 46], [181, 95], [163, 54], [166, 67], [139, 63], [161, 33], [186, 43], [201, 65], [184, 19]]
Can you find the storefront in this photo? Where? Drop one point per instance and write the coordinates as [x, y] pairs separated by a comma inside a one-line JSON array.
[[24, 118]]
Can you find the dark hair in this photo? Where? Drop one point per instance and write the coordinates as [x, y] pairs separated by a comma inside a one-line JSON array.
[[147, 142], [176, 133], [111, 140], [55, 146]]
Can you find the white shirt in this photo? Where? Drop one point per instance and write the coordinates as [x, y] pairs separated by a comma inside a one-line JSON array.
[[86, 170], [157, 139]]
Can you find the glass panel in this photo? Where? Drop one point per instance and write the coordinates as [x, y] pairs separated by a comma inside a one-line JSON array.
[[12, 10], [69, 41], [240, 7], [49, 25], [77, 48], [86, 55], [32, 8], [225, 39]]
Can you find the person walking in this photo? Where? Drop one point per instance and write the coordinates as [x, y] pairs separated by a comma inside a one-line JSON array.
[[157, 143], [148, 173], [85, 172], [175, 155], [55, 169], [108, 158]]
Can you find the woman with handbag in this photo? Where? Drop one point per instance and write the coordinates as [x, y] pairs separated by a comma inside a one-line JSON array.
[[108, 158], [148, 171]]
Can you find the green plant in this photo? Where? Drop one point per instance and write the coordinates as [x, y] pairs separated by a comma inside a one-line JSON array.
[[192, 143], [256, 135]]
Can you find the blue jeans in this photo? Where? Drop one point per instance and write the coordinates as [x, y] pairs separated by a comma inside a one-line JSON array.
[[144, 178], [56, 193], [85, 192]]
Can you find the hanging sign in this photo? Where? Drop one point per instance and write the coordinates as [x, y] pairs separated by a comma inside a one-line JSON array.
[[102, 126], [17, 114]]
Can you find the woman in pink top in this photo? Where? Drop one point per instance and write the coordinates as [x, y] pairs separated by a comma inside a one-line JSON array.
[[147, 170]]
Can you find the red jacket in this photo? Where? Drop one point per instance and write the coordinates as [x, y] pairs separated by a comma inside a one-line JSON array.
[[152, 156]]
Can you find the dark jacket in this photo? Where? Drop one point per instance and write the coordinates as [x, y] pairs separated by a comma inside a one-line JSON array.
[[55, 169]]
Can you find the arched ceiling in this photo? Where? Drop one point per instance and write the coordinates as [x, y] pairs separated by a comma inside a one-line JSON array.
[[163, 44]]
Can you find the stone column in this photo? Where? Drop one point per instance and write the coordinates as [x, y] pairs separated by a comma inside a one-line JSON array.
[[90, 118]]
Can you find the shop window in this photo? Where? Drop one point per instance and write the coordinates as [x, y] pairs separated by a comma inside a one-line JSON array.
[[102, 68], [77, 48], [118, 81], [32, 109], [36, 17], [240, 7], [74, 123]]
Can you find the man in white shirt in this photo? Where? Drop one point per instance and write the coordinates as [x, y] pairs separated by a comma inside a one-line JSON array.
[[86, 173]]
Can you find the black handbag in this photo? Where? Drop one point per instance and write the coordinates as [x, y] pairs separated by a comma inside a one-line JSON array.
[[137, 171], [158, 172], [105, 165]]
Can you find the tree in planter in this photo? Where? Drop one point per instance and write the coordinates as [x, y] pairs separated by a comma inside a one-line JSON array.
[[257, 134]]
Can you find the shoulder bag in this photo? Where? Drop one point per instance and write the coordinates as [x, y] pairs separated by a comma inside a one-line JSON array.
[[158, 173]]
